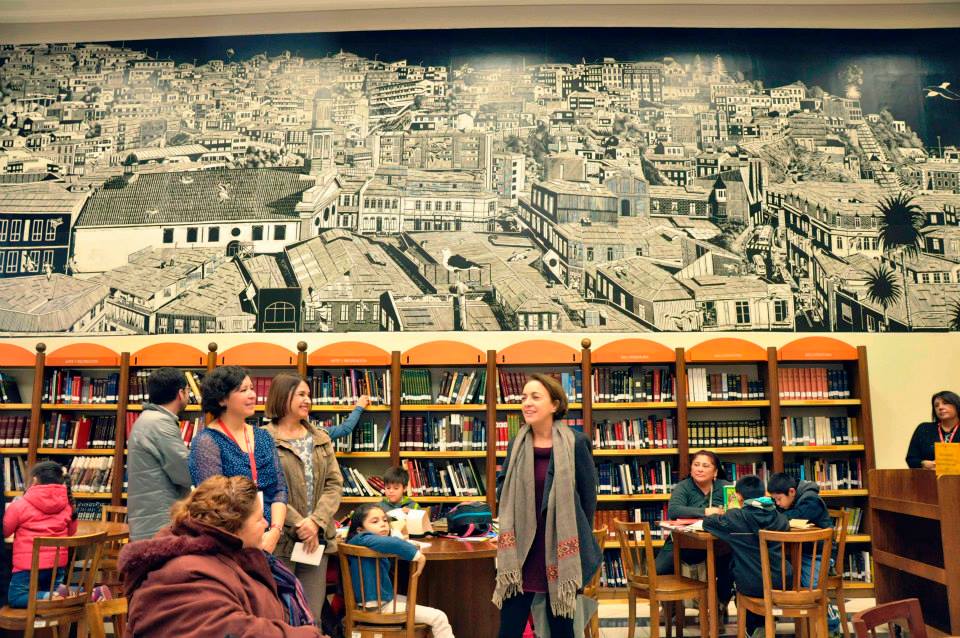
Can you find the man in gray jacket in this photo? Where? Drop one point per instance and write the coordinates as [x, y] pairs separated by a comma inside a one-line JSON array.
[[157, 471]]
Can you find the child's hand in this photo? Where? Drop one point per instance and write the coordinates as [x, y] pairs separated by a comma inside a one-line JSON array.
[[419, 561], [406, 510], [712, 510], [363, 401]]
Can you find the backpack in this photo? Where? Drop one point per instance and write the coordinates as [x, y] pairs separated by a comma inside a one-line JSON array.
[[469, 519]]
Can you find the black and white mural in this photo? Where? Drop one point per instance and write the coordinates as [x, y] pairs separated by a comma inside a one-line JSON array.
[[629, 180]]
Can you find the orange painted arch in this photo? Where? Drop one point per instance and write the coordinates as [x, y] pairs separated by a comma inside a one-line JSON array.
[[12, 356], [258, 355], [538, 352], [443, 353], [727, 350], [625, 351], [347, 354], [80, 355], [176, 355], [817, 349]]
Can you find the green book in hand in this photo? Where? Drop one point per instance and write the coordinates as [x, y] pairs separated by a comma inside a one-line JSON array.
[[730, 497]]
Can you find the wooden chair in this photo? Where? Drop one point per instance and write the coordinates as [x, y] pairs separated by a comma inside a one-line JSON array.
[[83, 559], [787, 598], [592, 589], [97, 613], [636, 551], [866, 622], [110, 575], [365, 620], [113, 514], [841, 519]]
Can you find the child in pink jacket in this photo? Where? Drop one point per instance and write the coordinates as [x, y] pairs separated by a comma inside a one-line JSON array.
[[44, 510]]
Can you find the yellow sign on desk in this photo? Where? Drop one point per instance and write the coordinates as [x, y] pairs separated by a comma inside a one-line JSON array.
[[947, 457]]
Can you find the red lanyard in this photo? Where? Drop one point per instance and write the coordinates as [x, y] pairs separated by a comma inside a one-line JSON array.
[[253, 462], [952, 434]]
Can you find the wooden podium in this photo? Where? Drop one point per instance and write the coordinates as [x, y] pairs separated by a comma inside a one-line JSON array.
[[915, 528]]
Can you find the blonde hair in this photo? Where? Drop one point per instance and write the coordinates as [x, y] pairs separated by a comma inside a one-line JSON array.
[[220, 502]]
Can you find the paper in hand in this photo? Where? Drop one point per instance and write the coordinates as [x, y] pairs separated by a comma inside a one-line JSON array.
[[300, 555]]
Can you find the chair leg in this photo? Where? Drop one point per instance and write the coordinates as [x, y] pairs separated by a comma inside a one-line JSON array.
[[842, 609], [654, 619], [741, 619], [632, 612], [670, 617], [680, 615], [704, 622], [770, 626], [595, 625]]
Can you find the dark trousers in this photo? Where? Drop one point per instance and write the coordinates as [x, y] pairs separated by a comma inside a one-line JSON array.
[[516, 611], [694, 556]]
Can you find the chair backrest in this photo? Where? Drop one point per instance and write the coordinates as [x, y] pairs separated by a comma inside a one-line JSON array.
[[789, 547], [360, 611], [593, 585], [82, 555], [636, 551], [113, 514], [114, 609], [841, 521], [866, 621]]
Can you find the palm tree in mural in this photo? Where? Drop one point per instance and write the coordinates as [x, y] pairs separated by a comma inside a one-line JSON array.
[[900, 232], [883, 290], [955, 315]]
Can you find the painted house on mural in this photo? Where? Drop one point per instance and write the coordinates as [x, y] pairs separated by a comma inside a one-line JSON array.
[[35, 224]]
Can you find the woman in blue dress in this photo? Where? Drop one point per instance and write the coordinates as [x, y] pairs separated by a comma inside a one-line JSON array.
[[231, 447]]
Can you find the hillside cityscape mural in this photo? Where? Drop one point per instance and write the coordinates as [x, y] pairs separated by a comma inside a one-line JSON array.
[[572, 180]]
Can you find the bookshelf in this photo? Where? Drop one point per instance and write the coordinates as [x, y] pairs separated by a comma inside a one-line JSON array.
[[17, 414]]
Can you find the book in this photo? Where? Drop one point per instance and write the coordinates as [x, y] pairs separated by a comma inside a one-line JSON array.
[[709, 385], [9, 391], [72, 387], [812, 382], [634, 384], [739, 433], [730, 500], [813, 430], [345, 386], [654, 431], [828, 473]]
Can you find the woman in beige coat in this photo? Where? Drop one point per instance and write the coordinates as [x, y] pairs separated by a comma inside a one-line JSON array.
[[314, 482]]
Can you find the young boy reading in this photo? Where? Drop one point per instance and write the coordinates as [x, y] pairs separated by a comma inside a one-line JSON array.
[[395, 482], [740, 528]]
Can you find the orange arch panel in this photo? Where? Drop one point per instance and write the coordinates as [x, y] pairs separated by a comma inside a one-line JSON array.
[[258, 354], [726, 349], [78, 355], [438, 353], [15, 356], [538, 351], [348, 354], [633, 351], [817, 348], [168, 354]]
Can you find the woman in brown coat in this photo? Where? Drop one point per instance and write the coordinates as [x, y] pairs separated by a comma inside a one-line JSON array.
[[314, 482], [206, 574]]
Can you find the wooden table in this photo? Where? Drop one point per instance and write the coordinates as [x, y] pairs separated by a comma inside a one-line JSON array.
[[708, 542], [459, 579], [114, 531]]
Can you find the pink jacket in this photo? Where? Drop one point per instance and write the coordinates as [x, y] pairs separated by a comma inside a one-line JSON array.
[[42, 511]]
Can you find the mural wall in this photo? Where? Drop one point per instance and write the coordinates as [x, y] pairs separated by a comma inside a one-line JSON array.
[[590, 180]]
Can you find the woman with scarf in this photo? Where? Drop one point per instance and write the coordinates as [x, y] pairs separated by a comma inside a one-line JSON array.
[[548, 495]]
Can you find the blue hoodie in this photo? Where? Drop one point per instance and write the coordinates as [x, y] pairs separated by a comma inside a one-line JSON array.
[[383, 545]]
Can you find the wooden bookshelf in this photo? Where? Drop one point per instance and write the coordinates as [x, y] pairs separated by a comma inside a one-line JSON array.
[[667, 451]]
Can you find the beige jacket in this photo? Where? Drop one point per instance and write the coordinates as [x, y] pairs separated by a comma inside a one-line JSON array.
[[327, 489]]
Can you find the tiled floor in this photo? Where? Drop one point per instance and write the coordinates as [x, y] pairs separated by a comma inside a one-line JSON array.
[[613, 620]]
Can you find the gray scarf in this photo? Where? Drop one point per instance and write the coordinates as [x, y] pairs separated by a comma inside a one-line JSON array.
[[518, 523]]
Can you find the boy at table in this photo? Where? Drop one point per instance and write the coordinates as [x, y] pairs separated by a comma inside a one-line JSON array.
[[740, 528]]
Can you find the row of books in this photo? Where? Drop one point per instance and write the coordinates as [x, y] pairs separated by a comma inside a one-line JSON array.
[[507, 429], [66, 386], [829, 474], [703, 385], [612, 573], [9, 391], [855, 521], [367, 436], [813, 383], [355, 483], [858, 567], [632, 476], [346, 386], [444, 478], [510, 385], [14, 473], [91, 474], [632, 434], [447, 432], [14, 430], [189, 428], [820, 430], [736, 471], [652, 514], [634, 385], [89, 510], [741, 433], [459, 388], [81, 432], [137, 391]]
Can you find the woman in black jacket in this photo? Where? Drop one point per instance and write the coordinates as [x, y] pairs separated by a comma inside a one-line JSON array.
[[943, 428]]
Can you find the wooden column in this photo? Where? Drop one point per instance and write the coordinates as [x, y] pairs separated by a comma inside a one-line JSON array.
[[35, 402], [774, 427], [120, 439], [586, 365], [862, 389], [302, 358], [211, 356], [683, 440], [491, 398], [395, 372]]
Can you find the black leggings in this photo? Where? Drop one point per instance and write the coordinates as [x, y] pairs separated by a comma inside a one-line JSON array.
[[516, 610]]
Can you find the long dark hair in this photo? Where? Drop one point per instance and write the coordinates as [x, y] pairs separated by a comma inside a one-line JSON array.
[[359, 515], [52, 473], [721, 475], [947, 397]]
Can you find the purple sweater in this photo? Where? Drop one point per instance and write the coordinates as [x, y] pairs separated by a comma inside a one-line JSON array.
[[535, 566]]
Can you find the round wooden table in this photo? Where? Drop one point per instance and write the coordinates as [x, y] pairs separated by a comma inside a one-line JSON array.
[[113, 530], [459, 579]]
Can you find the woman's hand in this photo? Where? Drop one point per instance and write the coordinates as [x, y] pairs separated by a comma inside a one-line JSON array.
[[307, 529], [363, 401], [712, 510], [928, 465], [419, 561], [310, 545], [270, 539]]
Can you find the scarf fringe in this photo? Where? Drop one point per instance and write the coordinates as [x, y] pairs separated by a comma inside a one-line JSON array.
[[508, 584], [564, 603]]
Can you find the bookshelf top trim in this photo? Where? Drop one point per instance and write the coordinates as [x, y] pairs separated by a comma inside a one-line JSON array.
[[538, 352], [817, 349], [725, 350], [443, 353], [348, 354], [627, 351], [83, 355], [257, 355], [175, 355], [16, 357]]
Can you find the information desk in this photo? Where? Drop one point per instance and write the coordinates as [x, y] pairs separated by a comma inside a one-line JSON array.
[[458, 578]]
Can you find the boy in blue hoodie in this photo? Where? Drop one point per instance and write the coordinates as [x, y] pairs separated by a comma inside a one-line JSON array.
[[740, 529]]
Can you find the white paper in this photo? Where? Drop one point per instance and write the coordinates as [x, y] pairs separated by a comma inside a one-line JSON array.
[[397, 514], [415, 522], [300, 555]]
